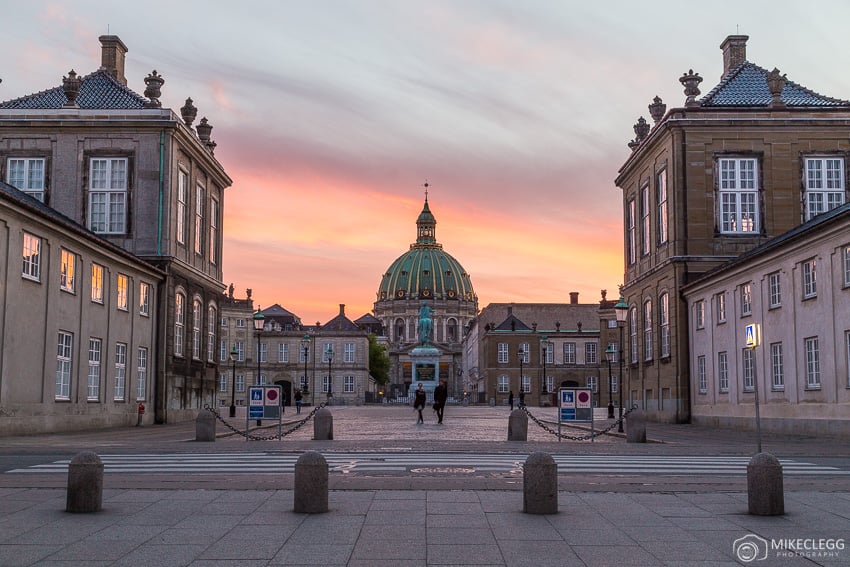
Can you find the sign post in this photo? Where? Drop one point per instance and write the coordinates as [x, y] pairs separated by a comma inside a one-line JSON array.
[[575, 405], [752, 338], [264, 403]]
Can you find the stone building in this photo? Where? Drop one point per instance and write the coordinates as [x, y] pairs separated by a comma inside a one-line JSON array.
[[707, 183]]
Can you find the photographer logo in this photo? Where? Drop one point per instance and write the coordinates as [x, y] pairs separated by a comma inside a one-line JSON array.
[[750, 548]]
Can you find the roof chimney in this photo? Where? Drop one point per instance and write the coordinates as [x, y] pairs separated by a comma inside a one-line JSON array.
[[734, 52], [573, 297], [112, 56], [342, 309]]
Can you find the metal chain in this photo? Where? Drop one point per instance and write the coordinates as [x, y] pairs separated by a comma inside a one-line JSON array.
[[275, 437], [577, 437]]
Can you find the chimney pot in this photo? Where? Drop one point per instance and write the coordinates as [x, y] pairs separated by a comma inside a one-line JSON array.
[[113, 52], [342, 308], [573, 297], [734, 52]]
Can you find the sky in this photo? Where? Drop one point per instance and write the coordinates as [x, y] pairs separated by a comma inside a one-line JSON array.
[[330, 115]]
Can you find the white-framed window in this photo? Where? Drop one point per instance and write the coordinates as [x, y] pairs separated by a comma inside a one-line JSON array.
[[179, 323], [592, 383], [749, 369], [612, 323], [812, 363], [212, 317], [263, 380], [108, 195], [122, 300], [502, 353], [213, 231], [348, 384], [223, 322], [31, 257], [64, 353], [142, 374], [746, 299], [632, 236], [503, 384], [824, 185], [722, 372], [699, 314], [95, 357], [664, 323], [525, 383], [144, 299], [67, 270], [196, 329], [847, 349], [240, 349], [326, 383], [547, 384], [547, 352], [222, 350], [240, 382], [569, 353], [327, 352], [701, 377], [846, 256], [240, 323], [661, 185], [27, 174], [264, 352], [199, 220], [348, 352], [283, 352], [647, 330], [120, 371], [644, 220], [182, 190], [810, 280], [739, 198], [97, 283], [720, 301], [777, 368], [525, 352], [591, 352], [774, 288], [633, 326], [222, 383], [611, 351]]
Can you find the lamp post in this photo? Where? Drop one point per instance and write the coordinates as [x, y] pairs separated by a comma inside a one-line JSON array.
[[259, 322], [621, 309], [521, 356], [305, 346], [544, 349], [330, 356], [234, 354], [609, 353]]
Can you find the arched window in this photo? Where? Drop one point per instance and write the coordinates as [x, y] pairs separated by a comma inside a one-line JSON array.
[[179, 322], [664, 323], [451, 330], [647, 330], [633, 334], [399, 330], [196, 329], [212, 318]]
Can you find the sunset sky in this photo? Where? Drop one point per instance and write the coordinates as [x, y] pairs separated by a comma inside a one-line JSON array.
[[330, 115]]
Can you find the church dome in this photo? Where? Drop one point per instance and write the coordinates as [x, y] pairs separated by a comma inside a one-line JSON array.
[[426, 271]]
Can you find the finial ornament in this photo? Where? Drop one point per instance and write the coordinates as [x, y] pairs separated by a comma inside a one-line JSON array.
[[426, 185], [691, 81]]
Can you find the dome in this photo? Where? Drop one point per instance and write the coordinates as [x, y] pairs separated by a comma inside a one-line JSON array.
[[426, 271]]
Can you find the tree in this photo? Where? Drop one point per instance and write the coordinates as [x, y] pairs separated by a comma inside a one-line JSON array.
[[379, 362]]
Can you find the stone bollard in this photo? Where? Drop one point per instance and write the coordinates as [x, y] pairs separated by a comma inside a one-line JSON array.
[[205, 426], [311, 484], [518, 426], [635, 427], [764, 486], [323, 425], [85, 483], [540, 484]]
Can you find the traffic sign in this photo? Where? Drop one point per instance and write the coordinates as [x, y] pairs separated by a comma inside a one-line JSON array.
[[256, 396], [751, 335], [272, 397]]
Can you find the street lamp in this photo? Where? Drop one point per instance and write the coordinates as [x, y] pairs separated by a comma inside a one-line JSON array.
[[609, 353], [259, 322], [330, 356], [234, 354], [544, 348], [521, 356], [305, 346], [621, 309]]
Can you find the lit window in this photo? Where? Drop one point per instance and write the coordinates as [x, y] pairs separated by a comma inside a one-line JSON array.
[[32, 257], [67, 270], [774, 285], [120, 371], [142, 372], [63, 365], [645, 224], [699, 314], [777, 366], [27, 174], [93, 394], [722, 372], [661, 184], [810, 284], [746, 300], [812, 363], [123, 287], [108, 195], [824, 185], [738, 196], [179, 323], [199, 220], [502, 353], [97, 283], [702, 378], [144, 299]]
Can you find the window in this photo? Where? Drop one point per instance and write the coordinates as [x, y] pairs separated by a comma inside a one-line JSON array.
[[721, 307], [240, 349], [547, 352], [179, 324], [644, 220], [525, 352], [699, 314], [547, 384], [502, 353], [812, 363], [631, 238], [32, 257], [283, 352], [196, 329], [633, 323], [67, 269], [846, 255], [661, 185], [224, 322], [774, 286], [614, 384], [746, 300], [503, 384], [263, 380], [27, 174], [327, 352], [592, 384], [526, 383], [222, 351], [212, 317], [810, 284], [142, 373], [348, 352], [63, 365], [240, 323], [847, 344], [612, 323], [749, 370], [144, 299], [738, 196], [647, 330], [326, 383], [664, 324], [776, 365], [108, 195], [590, 352], [93, 389], [182, 189], [222, 383], [123, 290], [611, 352], [824, 185], [722, 372], [701, 377], [569, 353], [97, 283], [240, 382], [264, 352], [213, 231], [199, 220], [348, 384], [120, 371]]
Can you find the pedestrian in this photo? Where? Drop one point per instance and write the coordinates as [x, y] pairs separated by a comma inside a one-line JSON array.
[[441, 394], [419, 402], [282, 402], [511, 399], [298, 398], [522, 398]]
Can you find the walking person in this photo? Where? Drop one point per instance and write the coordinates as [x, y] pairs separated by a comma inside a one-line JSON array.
[[441, 394], [419, 402], [298, 400], [511, 399]]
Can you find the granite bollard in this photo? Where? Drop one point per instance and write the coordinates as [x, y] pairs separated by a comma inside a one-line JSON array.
[[85, 483], [323, 425], [540, 484], [310, 494], [635, 427], [765, 494], [205, 426], [518, 426]]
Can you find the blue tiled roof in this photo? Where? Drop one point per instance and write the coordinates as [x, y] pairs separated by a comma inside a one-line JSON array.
[[747, 86], [99, 90]]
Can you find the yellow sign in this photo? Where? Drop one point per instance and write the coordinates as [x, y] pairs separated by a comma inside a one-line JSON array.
[[751, 335]]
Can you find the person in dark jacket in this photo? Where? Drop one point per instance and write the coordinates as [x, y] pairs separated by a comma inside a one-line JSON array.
[[511, 399], [441, 394], [298, 401], [419, 402]]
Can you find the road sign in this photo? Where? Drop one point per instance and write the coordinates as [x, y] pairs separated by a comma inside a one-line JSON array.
[[583, 399], [568, 398], [751, 335], [256, 396], [575, 404], [272, 397]]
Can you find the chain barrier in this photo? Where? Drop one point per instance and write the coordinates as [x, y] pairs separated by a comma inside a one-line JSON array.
[[578, 437], [275, 437]]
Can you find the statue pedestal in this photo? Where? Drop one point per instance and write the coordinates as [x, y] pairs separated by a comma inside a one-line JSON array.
[[426, 367]]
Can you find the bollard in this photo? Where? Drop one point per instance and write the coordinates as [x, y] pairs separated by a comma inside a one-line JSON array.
[[323, 425], [635, 427], [540, 484], [85, 483], [310, 495], [764, 486], [518, 426], [205, 426]]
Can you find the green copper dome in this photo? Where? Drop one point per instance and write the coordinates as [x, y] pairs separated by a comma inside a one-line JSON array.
[[426, 271]]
